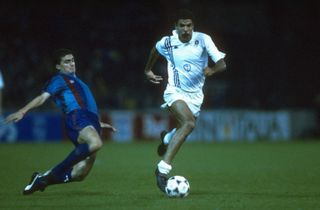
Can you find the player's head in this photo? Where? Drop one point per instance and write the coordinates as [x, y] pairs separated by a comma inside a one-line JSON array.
[[184, 24], [64, 60]]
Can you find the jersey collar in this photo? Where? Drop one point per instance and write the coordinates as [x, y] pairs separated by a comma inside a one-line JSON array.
[[175, 35]]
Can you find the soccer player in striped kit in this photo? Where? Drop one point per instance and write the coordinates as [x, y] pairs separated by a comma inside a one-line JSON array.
[[82, 123], [187, 53]]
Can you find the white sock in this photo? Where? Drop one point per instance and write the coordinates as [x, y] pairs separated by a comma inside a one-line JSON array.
[[167, 138], [164, 167]]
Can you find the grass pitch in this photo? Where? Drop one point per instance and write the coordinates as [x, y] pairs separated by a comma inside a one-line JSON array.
[[222, 176]]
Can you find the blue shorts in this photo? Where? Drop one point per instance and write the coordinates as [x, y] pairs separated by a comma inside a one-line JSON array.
[[78, 119]]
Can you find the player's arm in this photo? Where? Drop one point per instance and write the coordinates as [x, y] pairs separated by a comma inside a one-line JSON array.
[[37, 101], [219, 66], [216, 63], [153, 57]]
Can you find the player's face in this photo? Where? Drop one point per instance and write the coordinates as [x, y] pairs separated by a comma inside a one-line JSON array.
[[184, 29], [67, 64]]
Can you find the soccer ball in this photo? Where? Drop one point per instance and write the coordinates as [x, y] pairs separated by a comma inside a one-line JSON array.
[[177, 186]]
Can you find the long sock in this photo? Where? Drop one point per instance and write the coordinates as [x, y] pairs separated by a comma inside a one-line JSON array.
[[58, 179], [169, 136], [78, 154]]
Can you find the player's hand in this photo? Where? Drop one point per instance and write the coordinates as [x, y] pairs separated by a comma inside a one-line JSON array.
[[155, 79], [107, 126], [15, 117], [208, 71]]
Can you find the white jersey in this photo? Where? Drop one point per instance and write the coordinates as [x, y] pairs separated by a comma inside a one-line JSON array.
[[186, 61]]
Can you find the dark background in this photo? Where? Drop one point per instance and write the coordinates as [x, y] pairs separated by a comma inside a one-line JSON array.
[[272, 50]]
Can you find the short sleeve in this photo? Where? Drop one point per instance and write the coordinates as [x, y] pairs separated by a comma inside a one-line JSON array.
[[53, 86], [212, 50], [160, 45]]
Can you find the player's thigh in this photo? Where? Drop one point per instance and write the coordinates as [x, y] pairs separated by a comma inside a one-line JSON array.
[[89, 135], [181, 111]]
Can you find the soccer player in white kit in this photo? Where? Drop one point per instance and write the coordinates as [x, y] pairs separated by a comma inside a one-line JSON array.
[[187, 53]]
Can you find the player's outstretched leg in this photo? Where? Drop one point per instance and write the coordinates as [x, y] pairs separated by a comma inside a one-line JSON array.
[[37, 183]]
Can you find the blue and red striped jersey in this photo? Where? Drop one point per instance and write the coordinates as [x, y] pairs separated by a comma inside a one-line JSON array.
[[70, 93]]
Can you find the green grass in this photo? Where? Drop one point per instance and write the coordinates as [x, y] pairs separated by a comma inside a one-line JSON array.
[[222, 176]]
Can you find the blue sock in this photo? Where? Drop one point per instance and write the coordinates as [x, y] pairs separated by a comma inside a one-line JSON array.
[[62, 178], [66, 176], [78, 154]]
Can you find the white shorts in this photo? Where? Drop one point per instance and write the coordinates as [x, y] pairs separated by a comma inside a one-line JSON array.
[[193, 100]]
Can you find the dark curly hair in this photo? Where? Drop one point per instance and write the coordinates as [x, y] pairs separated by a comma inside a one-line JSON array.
[[183, 14], [58, 54]]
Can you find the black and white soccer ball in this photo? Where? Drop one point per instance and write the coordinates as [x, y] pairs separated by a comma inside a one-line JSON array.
[[178, 187]]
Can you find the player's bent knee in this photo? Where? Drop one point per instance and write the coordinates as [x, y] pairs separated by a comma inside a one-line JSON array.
[[96, 145], [90, 136]]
